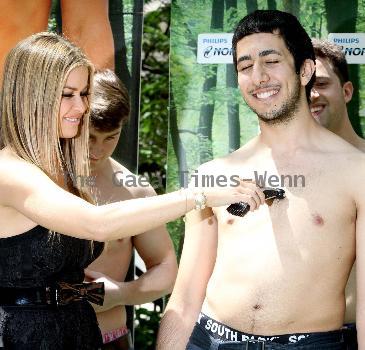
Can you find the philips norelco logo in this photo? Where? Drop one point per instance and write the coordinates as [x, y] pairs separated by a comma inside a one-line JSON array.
[[215, 41], [217, 51], [214, 48], [352, 44], [355, 51], [340, 41], [208, 51]]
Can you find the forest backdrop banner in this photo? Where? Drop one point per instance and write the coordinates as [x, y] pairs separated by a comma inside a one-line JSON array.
[[208, 117]]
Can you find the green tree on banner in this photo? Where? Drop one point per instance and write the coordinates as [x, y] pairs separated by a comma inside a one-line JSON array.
[[251, 5], [271, 4], [210, 83], [234, 130], [292, 6], [177, 144]]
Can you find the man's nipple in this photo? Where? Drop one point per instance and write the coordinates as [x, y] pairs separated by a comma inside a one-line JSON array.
[[230, 220], [317, 219]]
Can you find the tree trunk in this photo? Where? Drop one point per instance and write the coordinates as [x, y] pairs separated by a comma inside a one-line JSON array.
[[292, 6], [232, 106], [181, 164], [341, 18], [271, 4], [210, 83], [177, 144], [251, 6], [313, 33]]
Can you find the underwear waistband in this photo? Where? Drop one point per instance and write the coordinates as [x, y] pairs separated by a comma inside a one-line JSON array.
[[222, 332], [114, 334]]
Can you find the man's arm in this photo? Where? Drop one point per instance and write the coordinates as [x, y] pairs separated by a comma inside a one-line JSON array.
[[196, 266], [360, 270], [156, 250], [356, 179]]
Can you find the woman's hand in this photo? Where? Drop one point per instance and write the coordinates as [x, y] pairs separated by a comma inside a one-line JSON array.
[[113, 290], [240, 191]]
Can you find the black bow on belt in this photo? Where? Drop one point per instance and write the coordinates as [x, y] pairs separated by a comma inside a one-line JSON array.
[[93, 292]]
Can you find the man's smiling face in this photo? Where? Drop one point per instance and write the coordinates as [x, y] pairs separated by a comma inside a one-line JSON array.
[[329, 96], [267, 78]]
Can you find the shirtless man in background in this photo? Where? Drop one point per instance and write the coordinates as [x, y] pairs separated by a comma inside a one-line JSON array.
[[331, 92], [109, 110], [274, 278]]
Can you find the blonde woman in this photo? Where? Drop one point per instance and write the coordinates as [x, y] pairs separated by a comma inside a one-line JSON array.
[[50, 230]]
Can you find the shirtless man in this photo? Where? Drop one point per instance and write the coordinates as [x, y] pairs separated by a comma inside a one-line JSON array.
[[274, 278], [331, 92], [109, 110]]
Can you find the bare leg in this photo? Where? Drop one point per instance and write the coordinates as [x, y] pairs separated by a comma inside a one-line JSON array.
[[86, 23], [19, 19]]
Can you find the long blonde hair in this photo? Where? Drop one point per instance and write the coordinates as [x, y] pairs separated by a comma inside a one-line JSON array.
[[35, 72]]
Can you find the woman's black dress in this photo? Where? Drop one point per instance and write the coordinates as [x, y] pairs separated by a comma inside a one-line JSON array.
[[38, 258]]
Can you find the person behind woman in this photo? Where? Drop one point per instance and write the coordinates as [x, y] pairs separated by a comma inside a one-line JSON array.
[[109, 111], [50, 230]]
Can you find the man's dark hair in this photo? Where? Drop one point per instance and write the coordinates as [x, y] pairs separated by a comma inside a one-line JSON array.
[[335, 56], [110, 106], [295, 37]]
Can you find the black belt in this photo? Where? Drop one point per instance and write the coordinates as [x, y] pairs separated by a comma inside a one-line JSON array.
[[58, 294]]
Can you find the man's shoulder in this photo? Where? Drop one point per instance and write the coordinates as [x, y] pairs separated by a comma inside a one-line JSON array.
[[136, 185], [348, 163], [361, 144], [117, 167], [229, 162], [333, 145]]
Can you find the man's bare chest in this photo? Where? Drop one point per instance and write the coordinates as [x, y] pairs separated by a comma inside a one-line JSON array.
[[318, 206]]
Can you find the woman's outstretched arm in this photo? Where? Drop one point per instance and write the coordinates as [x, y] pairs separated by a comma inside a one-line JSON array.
[[29, 191]]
